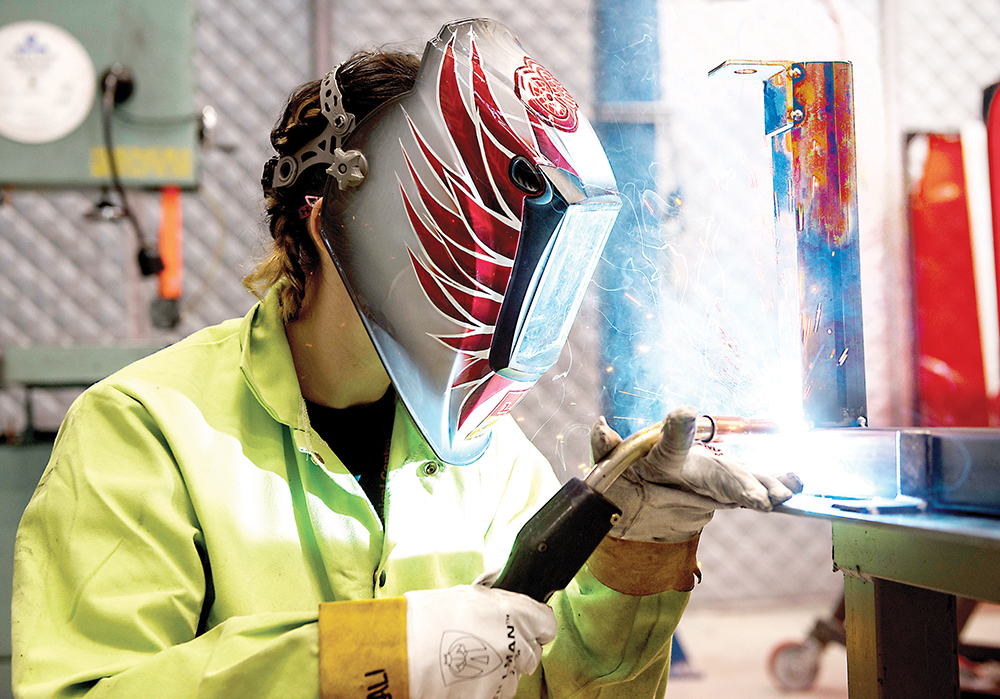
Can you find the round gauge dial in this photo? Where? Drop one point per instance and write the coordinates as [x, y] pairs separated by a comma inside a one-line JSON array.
[[47, 82]]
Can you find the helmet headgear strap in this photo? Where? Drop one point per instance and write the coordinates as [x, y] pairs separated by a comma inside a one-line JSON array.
[[349, 167]]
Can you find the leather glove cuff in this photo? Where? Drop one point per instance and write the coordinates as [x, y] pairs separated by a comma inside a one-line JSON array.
[[646, 567], [362, 648]]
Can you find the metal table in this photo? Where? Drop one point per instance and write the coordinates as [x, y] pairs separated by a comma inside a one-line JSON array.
[[901, 575]]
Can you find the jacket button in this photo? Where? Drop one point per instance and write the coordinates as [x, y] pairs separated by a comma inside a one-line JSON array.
[[430, 468], [381, 579]]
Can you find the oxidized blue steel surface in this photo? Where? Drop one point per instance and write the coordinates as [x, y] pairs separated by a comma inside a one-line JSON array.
[[820, 188], [809, 115]]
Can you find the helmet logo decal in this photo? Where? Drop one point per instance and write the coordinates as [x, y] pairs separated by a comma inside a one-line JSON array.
[[545, 96], [467, 216]]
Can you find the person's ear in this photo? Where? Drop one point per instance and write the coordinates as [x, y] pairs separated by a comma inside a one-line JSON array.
[[312, 224]]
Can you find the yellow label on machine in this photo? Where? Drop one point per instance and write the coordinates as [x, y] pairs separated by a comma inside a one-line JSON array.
[[141, 162]]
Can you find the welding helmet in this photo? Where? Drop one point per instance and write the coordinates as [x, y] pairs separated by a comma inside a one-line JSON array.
[[466, 218]]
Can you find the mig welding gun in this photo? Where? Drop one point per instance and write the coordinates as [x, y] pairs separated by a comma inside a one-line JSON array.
[[661, 484]]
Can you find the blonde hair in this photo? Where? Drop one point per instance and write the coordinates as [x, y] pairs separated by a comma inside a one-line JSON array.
[[366, 80]]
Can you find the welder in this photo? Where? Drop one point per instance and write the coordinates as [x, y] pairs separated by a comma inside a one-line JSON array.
[[311, 501]]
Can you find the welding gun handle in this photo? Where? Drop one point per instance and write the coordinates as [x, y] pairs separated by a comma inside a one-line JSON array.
[[555, 543]]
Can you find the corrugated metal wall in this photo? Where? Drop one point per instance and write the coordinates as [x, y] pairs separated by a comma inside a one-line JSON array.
[[67, 279]]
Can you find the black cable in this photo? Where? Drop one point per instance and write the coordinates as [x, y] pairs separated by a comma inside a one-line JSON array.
[[149, 260]]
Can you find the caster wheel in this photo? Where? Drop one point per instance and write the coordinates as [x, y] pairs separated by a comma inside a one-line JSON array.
[[794, 666]]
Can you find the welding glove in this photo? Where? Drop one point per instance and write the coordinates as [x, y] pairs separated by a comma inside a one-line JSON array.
[[670, 494], [473, 641]]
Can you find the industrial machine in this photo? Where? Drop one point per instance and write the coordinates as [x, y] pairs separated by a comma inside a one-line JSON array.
[[60, 62], [99, 95]]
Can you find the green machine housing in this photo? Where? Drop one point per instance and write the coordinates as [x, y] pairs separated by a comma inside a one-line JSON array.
[[155, 131]]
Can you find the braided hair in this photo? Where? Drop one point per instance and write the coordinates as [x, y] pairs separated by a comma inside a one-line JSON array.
[[366, 80]]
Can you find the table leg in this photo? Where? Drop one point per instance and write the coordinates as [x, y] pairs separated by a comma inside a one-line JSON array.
[[902, 641]]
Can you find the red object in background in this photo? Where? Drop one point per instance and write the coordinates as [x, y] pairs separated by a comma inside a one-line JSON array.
[[951, 388], [993, 152]]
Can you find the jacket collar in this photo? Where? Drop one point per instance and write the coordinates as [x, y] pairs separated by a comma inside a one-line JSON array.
[[266, 362]]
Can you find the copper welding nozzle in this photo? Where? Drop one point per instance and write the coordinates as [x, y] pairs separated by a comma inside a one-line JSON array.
[[710, 428]]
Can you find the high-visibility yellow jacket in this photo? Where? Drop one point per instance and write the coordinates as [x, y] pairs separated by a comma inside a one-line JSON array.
[[190, 523]]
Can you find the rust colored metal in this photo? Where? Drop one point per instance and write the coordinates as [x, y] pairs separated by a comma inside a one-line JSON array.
[[809, 115]]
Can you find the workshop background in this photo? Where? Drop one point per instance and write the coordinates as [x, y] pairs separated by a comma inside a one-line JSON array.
[[69, 278]]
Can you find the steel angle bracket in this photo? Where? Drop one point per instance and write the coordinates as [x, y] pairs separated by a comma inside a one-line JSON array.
[[809, 116]]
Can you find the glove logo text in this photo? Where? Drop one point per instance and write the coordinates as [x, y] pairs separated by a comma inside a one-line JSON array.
[[466, 657], [379, 690], [512, 653]]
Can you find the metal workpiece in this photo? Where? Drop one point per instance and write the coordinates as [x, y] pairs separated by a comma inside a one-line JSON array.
[[914, 478], [809, 115], [848, 464], [954, 469], [869, 470]]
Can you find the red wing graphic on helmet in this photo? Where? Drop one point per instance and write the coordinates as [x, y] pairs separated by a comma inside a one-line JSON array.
[[467, 217]]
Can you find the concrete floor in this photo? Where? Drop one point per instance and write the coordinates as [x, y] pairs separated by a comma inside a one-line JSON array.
[[728, 650]]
